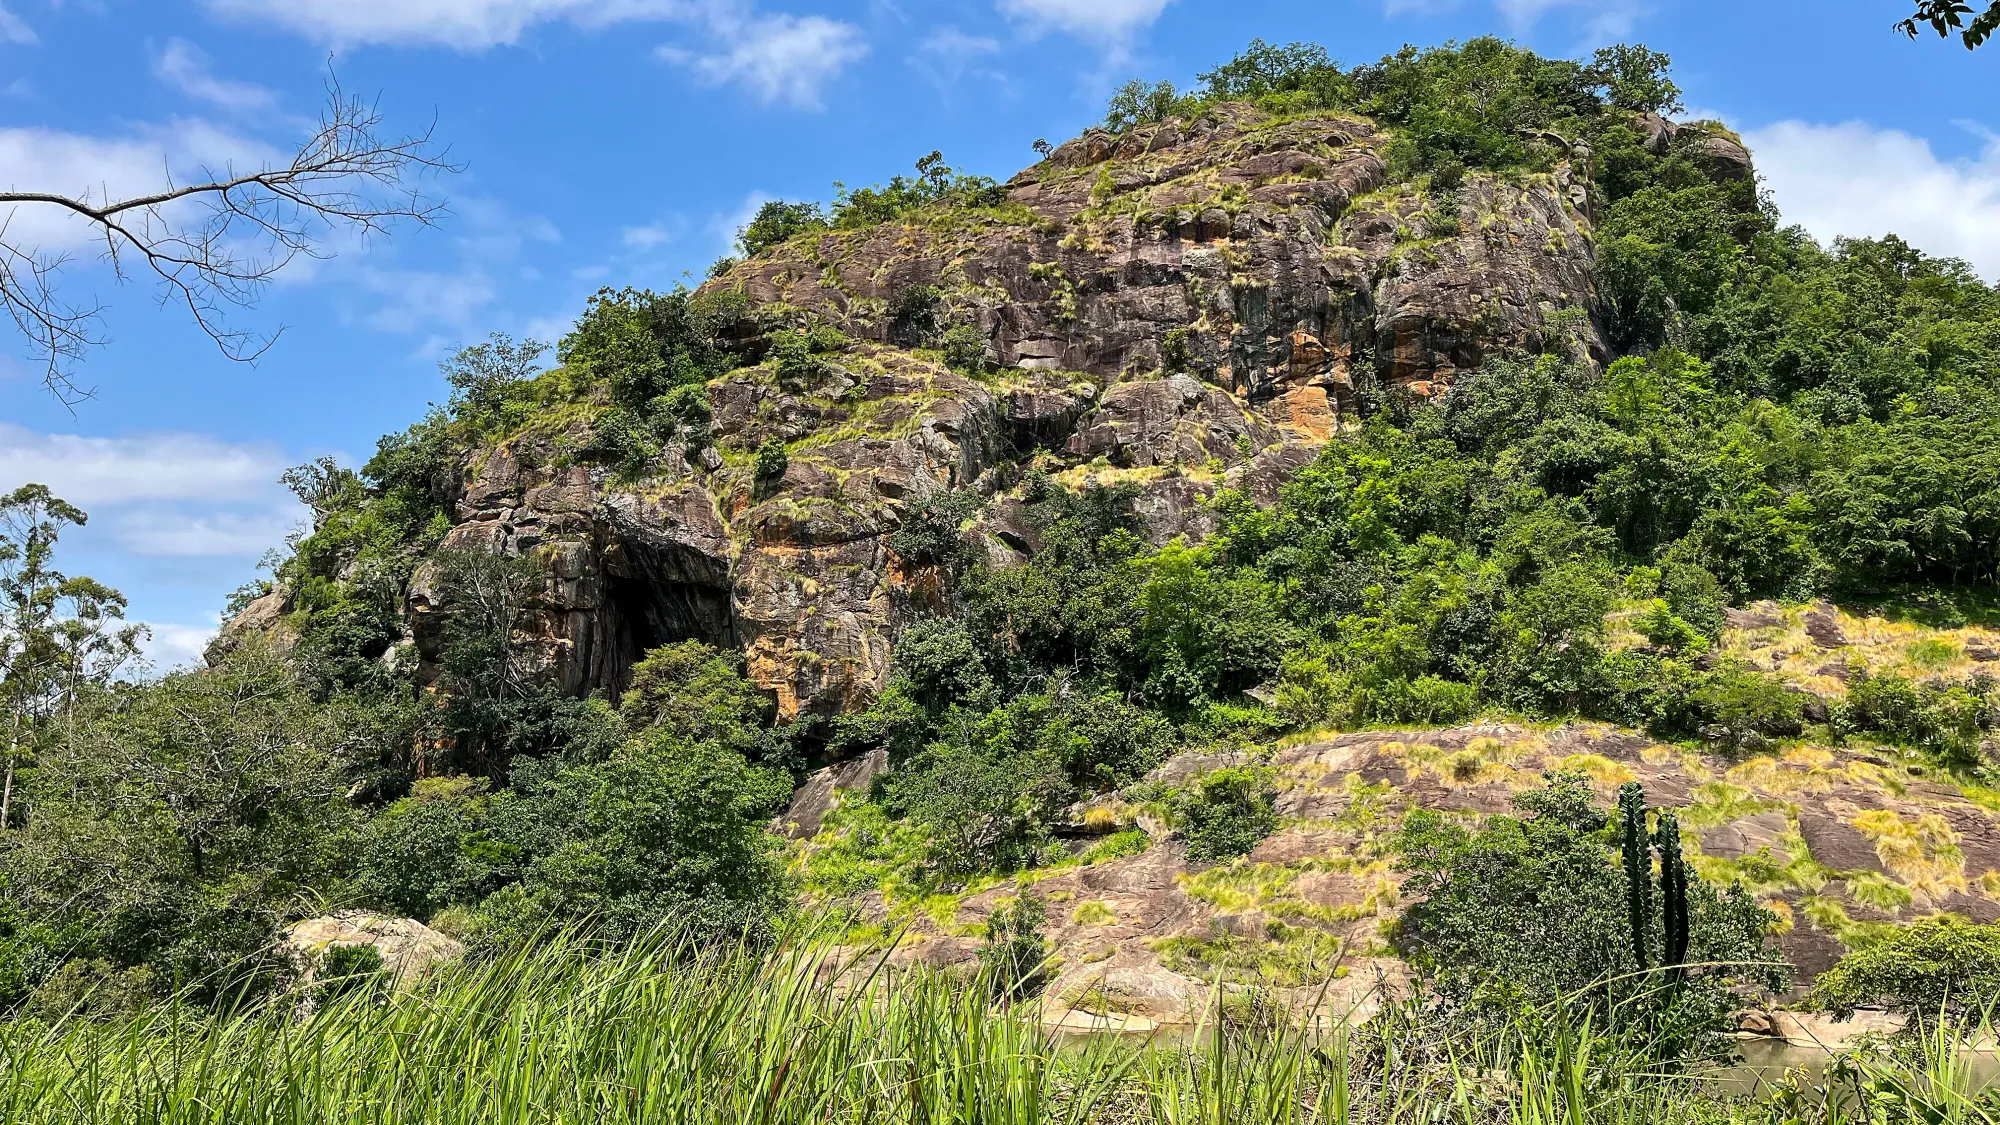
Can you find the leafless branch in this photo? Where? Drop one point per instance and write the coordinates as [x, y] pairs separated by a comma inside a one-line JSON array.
[[213, 246]]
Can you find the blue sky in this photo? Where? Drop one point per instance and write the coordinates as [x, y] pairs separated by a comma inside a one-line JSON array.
[[615, 142]]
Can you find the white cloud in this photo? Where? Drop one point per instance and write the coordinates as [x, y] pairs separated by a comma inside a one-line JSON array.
[[88, 471], [1859, 181], [464, 24], [779, 58], [184, 66], [192, 533], [1097, 19], [172, 647], [161, 494], [425, 298], [13, 30], [36, 159], [650, 237], [948, 54]]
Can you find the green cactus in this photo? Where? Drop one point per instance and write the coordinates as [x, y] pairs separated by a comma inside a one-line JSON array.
[[1638, 856], [1673, 897]]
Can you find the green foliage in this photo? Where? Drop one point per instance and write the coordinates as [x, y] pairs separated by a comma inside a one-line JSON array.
[[989, 787], [777, 223], [772, 460], [432, 849], [641, 345], [176, 822], [966, 350], [1014, 955], [759, 1037], [1937, 968], [1947, 718], [348, 969], [1144, 103], [663, 832], [931, 531], [1949, 16], [935, 183], [692, 692], [1224, 813], [1526, 914]]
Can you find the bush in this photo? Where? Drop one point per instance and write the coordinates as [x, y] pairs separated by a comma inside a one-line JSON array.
[[772, 460], [431, 849], [1526, 915], [664, 831], [1224, 814], [929, 533], [1937, 968], [778, 222], [967, 351], [1014, 956]]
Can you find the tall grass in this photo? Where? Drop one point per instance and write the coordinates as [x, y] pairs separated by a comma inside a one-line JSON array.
[[566, 1033]]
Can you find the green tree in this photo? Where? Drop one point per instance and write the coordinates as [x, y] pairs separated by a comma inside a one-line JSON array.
[[1937, 968], [778, 222], [177, 823], [1948, 17], [663, 832]]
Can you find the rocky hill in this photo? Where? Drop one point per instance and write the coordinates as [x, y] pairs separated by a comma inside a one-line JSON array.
[[1185, 307], [1390, 428]]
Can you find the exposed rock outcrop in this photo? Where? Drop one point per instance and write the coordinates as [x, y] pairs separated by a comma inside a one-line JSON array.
[[1193, 305]]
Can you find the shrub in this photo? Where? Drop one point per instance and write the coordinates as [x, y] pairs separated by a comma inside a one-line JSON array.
[[694, 693], [1526, 914], [966, 350], [1014, 955], [1224, 814], [929, 533], [772, 460], [778, 222], [1937, 968], [431, 850], [913, 319]]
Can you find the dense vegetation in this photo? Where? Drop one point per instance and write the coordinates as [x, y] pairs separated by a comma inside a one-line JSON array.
[[642, 1035], [1545, 539]]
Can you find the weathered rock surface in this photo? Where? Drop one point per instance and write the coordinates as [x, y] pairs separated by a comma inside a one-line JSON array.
[[1274, 253], [1196, 304], [409, 949], [822, 790], [1814, 834]]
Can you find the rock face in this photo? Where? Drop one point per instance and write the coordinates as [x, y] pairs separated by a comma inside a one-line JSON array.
[[1196, 304], [1816, 835], [408, 949], [1271, 259]]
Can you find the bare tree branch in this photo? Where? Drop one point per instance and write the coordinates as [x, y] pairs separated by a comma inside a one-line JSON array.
[[215, 245]]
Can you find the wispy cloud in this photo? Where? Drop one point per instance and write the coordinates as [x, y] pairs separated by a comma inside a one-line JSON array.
[[464, 24], [947, 55], [777, 57], [96, 167], [1114, 20], [185, 67], [162, 494], [14, 30]]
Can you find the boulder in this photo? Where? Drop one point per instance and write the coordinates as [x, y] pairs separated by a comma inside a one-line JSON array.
[[821, 792], [1823, 626], [409, 949]]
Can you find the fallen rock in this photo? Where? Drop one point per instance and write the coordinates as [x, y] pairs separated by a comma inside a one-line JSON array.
[[822, 790]]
